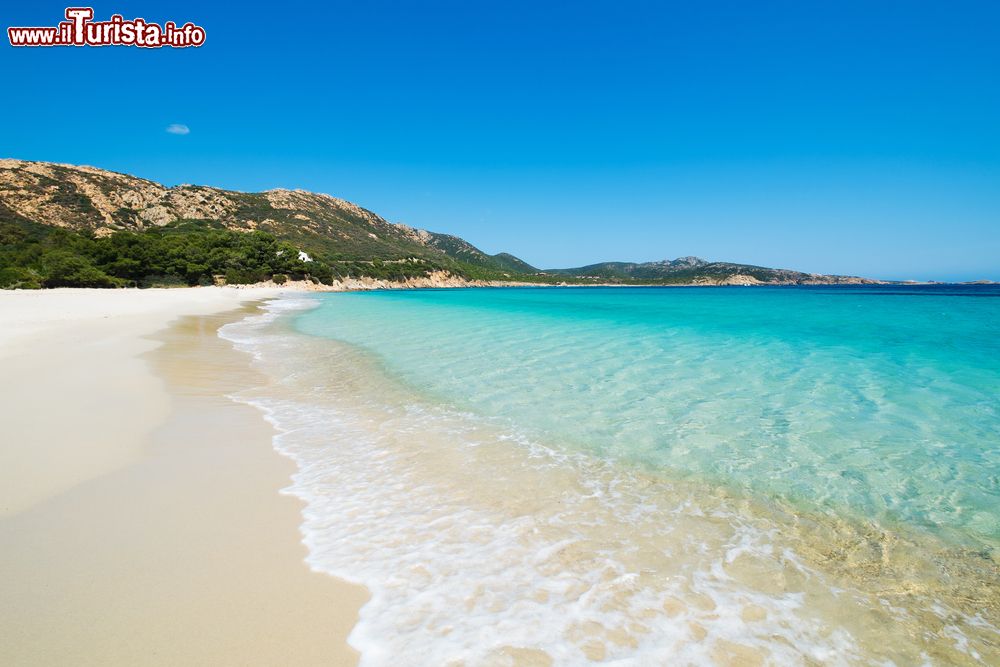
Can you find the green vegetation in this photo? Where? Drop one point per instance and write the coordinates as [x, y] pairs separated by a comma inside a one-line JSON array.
[[34, 256], [477, 261], [681, 271], [202, 252], [54, 234], [188, 253]]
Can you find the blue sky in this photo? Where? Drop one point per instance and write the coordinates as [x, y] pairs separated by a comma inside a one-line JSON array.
[[847, 137]]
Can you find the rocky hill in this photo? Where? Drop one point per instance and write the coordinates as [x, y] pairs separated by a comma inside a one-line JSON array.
[[45, 204], [697, 271], [85, 199]]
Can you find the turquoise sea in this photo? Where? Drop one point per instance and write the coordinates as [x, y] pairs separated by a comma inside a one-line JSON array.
[[787, 475]]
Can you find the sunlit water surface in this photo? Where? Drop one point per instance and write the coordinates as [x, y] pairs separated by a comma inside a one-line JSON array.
[[646, 475]]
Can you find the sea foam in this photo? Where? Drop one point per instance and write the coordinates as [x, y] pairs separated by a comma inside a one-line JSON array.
[[482, 544]]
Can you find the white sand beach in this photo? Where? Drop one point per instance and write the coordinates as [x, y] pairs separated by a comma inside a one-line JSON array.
[[140, 514]]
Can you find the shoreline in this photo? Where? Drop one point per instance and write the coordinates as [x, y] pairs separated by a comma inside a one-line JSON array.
[[146, 525], [373, 284], [175, 541], [428, 505]]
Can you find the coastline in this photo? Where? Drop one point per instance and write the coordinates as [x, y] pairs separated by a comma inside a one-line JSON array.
[[477, 549], [443, 281], [140, 510], [171, 546]]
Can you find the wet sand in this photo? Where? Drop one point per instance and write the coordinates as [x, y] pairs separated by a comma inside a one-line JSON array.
[[140, 514]]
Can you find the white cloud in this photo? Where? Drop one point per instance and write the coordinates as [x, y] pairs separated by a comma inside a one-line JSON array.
[[178, 128]]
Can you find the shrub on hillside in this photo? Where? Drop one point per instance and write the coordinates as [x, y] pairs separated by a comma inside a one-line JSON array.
[[63, 268], [19, 278]]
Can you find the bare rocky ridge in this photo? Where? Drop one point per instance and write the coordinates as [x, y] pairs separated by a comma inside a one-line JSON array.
[[100, 202], [104, 201]]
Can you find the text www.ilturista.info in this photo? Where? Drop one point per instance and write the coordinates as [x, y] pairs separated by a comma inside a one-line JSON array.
[[79, 29]]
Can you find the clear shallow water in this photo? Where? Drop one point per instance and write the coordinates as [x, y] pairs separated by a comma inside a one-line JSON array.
[[885, 403], [770, 475]]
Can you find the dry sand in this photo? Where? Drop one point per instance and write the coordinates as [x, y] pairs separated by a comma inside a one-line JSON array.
[[140, 519]]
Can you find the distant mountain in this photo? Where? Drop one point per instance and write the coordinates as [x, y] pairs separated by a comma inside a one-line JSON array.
[[697, 271], [461, 250], [100, 202], [626, 270], [343, 238]]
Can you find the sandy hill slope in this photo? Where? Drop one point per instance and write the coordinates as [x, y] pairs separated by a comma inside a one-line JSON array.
[[98, 203]]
